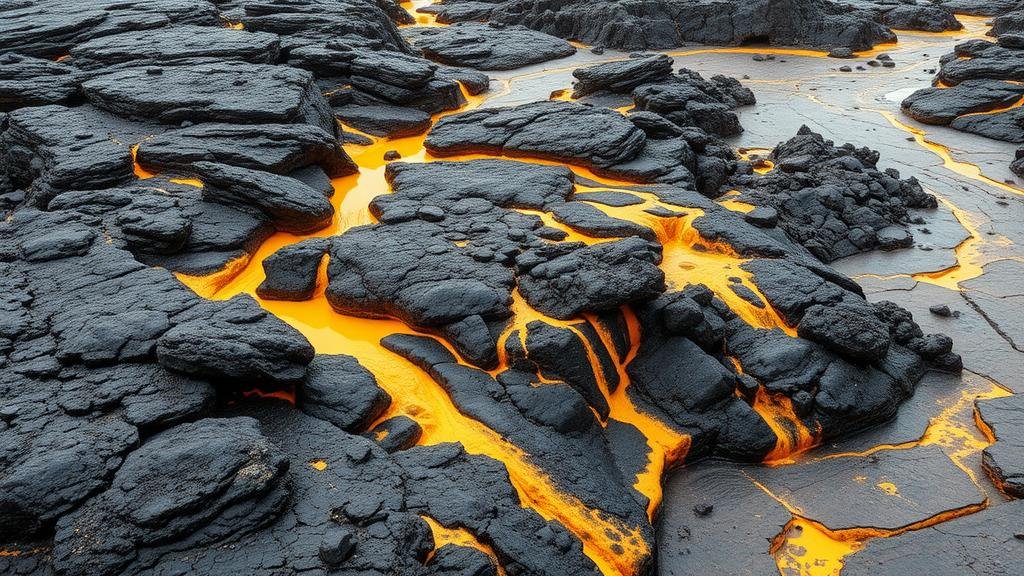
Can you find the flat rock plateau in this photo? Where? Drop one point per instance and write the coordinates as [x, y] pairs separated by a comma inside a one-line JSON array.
[[511, 287]]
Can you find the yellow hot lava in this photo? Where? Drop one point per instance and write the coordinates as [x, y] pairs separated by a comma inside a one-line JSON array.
[[793, 436], [460, 537], [807, 548]]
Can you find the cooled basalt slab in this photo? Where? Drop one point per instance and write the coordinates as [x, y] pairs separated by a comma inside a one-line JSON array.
[[977, 85], [663, 24], [486, 47]]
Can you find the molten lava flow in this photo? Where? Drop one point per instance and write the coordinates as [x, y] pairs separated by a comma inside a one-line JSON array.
[[969, 258], [614, 547], [761, 164], [460, 537], [318, 465], [668, 447], [286, 395], [807, 548], [689, 258], [729, 201], [422, 18], [792, 435], [956, 430], [140, 172], [965, 169], [416, 395]]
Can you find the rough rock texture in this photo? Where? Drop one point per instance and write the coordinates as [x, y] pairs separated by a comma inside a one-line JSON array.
[[486, 47], [218, 475], [239, 343], [385, 120], [175, 44], [621, 77], [236, 92], [37, 148], [943, 105], [288, 203], [663, 24], [671, 137], [277, 148], [146, 430], [365, 76], [833, 200], [27, 81], [49, 28], [601, 139], [337, 389], [291, 272]]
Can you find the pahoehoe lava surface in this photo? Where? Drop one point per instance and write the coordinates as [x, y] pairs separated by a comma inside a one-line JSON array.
[[317, 287]]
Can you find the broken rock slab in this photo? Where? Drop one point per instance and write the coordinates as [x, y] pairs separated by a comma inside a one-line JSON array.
[[234, 92], [488, 47], [1004, 460]]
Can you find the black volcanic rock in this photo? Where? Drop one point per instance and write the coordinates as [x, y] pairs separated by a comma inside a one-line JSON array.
[[396, 433], [921, 17], [848, 329], [524, 542], [577, 460], [288, 203], [546, 129], [943, 105], [687, 99], [832, 199], [239, 343], [236, 92], [55, 148], [384, 120], [366, 77], [278, 148], [175, 44], [621, 77], [145, 219], [291, 272], [981, 76], [488, 47], [564, 281], [315, 22], [49, 28], [662, 24], [1007, 126], [600, 138], [197, 475], [337, 389], [979, 59], [27, 81], [560, 354], [426, 283]]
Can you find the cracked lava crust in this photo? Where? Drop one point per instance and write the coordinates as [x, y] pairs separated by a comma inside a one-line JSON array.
[[465, 288]]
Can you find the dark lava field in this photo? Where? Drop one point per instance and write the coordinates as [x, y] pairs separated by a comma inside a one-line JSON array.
[[511, 287]]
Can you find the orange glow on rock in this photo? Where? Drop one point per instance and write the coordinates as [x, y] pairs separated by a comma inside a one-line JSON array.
[[792, 435]]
